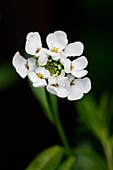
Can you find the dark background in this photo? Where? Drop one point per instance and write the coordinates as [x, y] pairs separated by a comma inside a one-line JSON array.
[[25, 130]]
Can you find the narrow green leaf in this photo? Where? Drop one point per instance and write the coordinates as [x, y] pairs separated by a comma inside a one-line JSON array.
[[89, 160], [49, 159], [111, 141], [106, 105], [40, 95], [104, 101], [109, 111], [91, 115], [68, 163]]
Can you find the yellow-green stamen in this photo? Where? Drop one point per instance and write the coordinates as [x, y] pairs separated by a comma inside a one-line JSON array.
[[55, 50], [40, 75], [54, 67]]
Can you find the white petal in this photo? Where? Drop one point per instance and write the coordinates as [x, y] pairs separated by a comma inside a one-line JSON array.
[[62, 57], [33, 42], [42, 60], [70, 78], [19, 63], [62, 89], [79, 74], [63, 82], [54, 55], [52, 80], [43, 71], [46, 74], [50, 39], [67, 64], [74, 49], [40, 83], [80, 63], [60, 33], [84, 84], [60, 43], [32, 64], [15, 60], [75, 93], [54, 41], [51, 89], [33, 77], [62, 92]]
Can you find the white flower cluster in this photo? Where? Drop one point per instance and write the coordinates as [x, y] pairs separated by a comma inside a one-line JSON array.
[[51, 67]]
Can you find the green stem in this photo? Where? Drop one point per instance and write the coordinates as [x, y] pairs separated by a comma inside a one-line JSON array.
[[108, 152], [53, 102], [61, 133]]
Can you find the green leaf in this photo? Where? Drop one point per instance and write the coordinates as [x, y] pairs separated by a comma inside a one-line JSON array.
[[111, 141], [106, 105], [41, 96], [67, 164], [89, 160], [91, 115], [104, 101], [8, 76], [49, 159]]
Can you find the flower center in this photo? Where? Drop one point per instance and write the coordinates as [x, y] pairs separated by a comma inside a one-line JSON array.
[[71, 67], [54, 67], [40, 75], [27, 66], [55, 50], [37, 50], [55, 85], [72, 82]]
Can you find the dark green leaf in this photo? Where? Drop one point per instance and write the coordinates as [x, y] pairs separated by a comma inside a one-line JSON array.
[[48, 159], [104, 101], [91, 115], [89, 160], [68, 163], [112, 142]]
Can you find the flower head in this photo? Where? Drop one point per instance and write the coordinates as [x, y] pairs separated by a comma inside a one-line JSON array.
[[58, 85], [22, 65], [78, 87], [76, 67], [39, 76], [56, 43], [51, 67]]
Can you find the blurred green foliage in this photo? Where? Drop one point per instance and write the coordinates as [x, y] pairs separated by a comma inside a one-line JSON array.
[[8, 76], [95, 110], [97, 117], [49, 159]]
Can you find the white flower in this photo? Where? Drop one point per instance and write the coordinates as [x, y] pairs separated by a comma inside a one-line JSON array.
[[51, 67], [39, 76], [33, 44], [78, 87], [76, 67], [56, 43], [22, 65], [58, 86]]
